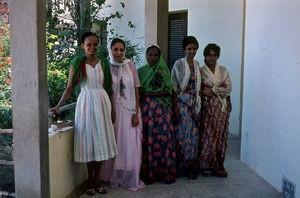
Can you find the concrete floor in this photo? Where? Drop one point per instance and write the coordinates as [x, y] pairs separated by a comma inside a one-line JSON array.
[[242, 182]]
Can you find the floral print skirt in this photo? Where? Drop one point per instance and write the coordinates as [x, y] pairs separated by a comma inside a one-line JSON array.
[[188, 134], [158, 158]]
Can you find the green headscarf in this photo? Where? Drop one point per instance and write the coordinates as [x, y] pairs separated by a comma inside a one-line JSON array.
[[156, 78], [79, 73]]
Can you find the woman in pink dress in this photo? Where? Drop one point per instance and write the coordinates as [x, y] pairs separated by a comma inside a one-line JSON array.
[[124, 169]]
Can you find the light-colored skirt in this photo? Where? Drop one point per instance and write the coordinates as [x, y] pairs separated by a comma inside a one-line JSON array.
[[124, 169], [94, 138]]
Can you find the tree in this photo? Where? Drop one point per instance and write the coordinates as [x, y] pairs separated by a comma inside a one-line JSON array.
[[65, 23]]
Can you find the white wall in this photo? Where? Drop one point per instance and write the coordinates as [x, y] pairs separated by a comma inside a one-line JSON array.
[[133, 11], [220, 22], [210, 21], [271, 112]]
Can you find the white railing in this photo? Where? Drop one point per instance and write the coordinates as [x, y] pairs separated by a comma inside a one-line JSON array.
[[63, 108], [6, 130], [50, 114]]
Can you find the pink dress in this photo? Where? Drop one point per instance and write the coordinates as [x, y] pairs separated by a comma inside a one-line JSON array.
[[124, 169]]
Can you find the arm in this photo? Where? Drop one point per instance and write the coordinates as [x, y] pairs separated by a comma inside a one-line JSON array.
[[175, 108], [225, 88], [113, 109], [68, 91], [135, 117], [229, 105], [174, 79]]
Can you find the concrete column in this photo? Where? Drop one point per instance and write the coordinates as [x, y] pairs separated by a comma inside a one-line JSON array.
[[156, 24], [30, 98]]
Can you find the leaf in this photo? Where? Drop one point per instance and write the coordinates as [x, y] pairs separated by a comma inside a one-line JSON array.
[[50, 45], [60, 11], [100, 2], [53, 36], [130, 24], [122, 4]]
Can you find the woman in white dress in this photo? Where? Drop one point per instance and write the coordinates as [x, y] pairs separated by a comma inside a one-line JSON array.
[[124, 169], [94, 139]]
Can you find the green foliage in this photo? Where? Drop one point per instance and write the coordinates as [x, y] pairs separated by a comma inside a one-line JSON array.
[[133, 51], [7, 182], [5, 63], [63, 30], [5, 117], [6, 140], [6, 145], [5, 73]]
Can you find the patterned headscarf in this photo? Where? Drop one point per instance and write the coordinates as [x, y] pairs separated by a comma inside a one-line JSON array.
[[156, 78]]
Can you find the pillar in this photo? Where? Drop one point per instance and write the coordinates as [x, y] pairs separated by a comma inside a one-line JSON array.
[[30, 98], [156, 24]]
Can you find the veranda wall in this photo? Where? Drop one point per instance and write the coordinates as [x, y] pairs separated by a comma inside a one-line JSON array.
[[271, 113]]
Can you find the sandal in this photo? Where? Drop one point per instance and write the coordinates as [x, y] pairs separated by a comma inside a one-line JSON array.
[[101, 190], [191, 175], [90, 191], [206, 173]]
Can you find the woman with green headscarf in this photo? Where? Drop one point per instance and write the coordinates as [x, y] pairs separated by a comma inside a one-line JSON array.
[[158, 160]]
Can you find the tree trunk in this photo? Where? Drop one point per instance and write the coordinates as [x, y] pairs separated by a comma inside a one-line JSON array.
[[85, 17]]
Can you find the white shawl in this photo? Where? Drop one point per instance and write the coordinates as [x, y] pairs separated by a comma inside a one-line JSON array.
[[124, 64], [215, 81], [179, 83]]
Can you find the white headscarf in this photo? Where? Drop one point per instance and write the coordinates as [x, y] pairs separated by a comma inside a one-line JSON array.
[[124, 64]]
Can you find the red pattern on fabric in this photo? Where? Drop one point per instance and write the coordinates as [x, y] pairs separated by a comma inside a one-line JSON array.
[[214, 132]]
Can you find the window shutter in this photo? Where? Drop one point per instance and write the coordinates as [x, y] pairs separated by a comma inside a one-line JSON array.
[[177, 31]]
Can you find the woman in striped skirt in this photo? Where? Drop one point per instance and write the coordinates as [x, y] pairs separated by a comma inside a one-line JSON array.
[[94, 136]]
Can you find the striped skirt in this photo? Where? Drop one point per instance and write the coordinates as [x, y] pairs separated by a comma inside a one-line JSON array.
[[94, 138]]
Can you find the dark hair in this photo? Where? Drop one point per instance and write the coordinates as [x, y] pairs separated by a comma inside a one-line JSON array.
[[151, 47], [212, 46], [117, 40], [87, 34], [189, 40]]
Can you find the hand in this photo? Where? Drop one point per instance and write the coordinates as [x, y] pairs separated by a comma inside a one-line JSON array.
[[135, 120], [113, 115], [55, 110], [207, 91]]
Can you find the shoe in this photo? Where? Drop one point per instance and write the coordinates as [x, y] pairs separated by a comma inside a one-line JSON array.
[[101, 190], [90, 191]]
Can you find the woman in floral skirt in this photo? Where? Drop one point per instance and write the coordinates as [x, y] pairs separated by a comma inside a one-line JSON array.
[[186, 79], [159, 158]]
